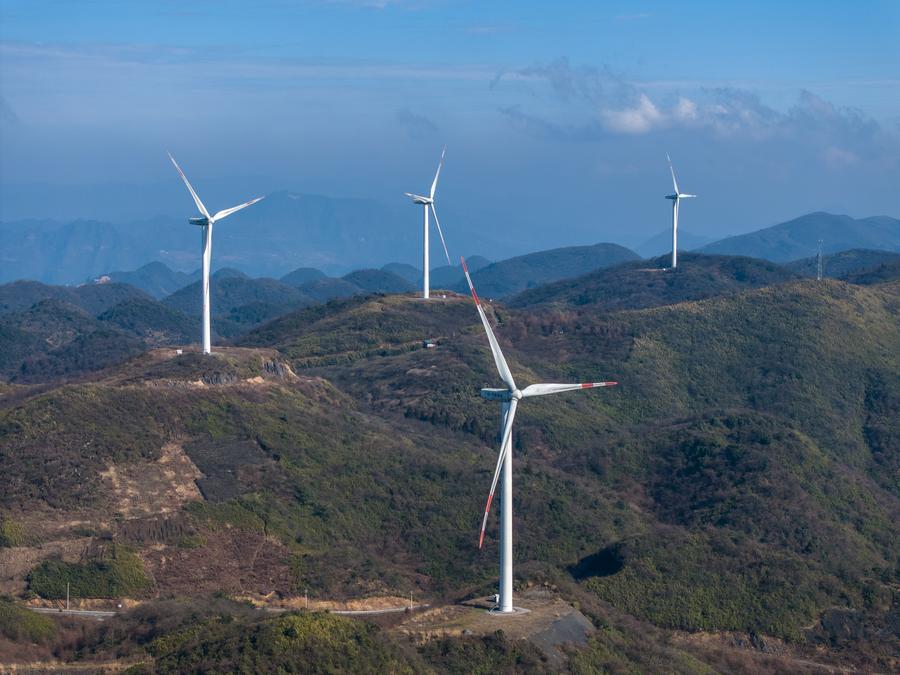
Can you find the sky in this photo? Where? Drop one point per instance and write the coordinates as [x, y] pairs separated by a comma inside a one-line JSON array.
[[557, 117]]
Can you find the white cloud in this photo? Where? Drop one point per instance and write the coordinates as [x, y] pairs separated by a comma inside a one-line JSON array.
[[644, 116], [685, 110]]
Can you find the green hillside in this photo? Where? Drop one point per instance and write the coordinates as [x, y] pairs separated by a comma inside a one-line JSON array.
[[742, 477], [507, 277], [55, 339], [239, 302], [650, 283], [302, 275], [378, 281], [798, 238], [92, 298], [155, 278], [843, 264]]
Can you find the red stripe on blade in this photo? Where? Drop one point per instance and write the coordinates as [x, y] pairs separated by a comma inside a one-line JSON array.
[[471, 286]]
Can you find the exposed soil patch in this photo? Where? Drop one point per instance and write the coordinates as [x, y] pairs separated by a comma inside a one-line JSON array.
[[15, 563], [153, 488], [232, 561]]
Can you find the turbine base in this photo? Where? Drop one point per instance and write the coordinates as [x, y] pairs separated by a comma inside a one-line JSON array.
[[496, 611]]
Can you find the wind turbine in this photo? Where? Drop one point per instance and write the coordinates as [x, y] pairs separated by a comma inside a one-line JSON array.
[[509, 399], [428, 203], [678, 196], [206, 222]]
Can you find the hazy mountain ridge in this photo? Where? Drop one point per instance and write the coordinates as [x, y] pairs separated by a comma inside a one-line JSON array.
[[513, 275], [155, 278], [844, 264], [288, 230], [651, 283], [662, 243], [798, 238]]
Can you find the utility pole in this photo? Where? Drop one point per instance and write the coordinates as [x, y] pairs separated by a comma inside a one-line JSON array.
[[819, 262], [306, 597], [67, 596]]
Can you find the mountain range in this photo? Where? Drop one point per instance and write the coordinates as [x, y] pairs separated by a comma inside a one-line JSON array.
[[287, 231], [799, 238]]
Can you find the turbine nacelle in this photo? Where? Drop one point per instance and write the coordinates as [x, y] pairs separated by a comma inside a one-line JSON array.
[[199, 220], [419, 199]]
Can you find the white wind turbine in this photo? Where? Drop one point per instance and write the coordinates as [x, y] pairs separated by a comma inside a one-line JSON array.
[[206, 222], [509, 399], [677, 197], [428, 203]]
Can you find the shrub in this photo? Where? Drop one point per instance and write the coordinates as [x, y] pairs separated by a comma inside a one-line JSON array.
[[20, 624], [120, 574]]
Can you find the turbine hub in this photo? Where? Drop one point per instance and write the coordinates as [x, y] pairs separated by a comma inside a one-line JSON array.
[[517, 395]]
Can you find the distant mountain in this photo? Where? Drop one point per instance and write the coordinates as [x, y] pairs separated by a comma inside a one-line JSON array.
[[54, 338], [662, 243], [514, 275], [450, 276], [60, 253], [844, 263], [378, 281], [155, 278], [799, 238], [302, 275], [412, 274], [445, 276], [328, 288], [650, 283], [152, 322], [284, 231], [231, 293], [92, 298], [884, 273], [227, 273]]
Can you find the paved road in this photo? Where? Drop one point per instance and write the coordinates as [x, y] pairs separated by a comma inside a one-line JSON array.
[[100, 615], [87, 613], [363, 612]]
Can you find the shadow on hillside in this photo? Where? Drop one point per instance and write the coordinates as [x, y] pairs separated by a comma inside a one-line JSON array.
[[601, 564]]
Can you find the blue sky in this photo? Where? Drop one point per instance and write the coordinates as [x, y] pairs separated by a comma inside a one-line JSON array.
[[557, 116]]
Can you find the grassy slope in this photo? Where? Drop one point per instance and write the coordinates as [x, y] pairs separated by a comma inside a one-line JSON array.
[[743, 475], [507, 277], [647, 283]]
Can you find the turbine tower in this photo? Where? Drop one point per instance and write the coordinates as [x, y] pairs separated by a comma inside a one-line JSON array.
[[428, 203], [206, 222], [509, 399], [676, 197]]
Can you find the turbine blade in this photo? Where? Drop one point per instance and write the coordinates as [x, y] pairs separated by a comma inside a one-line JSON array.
[[227, 212], [438, 223], [671, 168], [504, 444], [542, 389], [187, 182], [440, 164], [502, 368], [686, 196]]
